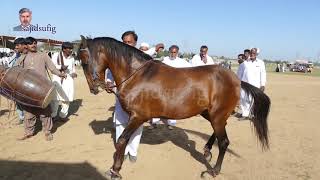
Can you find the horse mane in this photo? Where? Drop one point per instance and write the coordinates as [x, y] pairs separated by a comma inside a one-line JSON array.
[[116, 49]]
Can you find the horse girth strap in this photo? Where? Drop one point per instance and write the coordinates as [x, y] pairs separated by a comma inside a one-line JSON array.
[[131, 75]]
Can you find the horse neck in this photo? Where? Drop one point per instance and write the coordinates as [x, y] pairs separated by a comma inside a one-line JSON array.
[[121, 69]]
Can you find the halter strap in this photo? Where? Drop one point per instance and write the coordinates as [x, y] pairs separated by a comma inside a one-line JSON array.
[[131, 75]]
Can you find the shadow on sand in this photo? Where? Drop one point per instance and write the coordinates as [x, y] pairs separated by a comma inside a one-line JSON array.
[[18, 170], [161, 134]]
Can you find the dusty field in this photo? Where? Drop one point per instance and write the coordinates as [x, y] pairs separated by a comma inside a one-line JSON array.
[[82, 148]]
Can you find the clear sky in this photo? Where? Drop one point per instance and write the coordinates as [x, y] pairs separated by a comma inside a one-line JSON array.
[[282, 29]]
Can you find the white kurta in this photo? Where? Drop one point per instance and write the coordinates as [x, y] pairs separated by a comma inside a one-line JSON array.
[[65, 91], [177, 62], [196, 61], [254, 73], [241, 70]]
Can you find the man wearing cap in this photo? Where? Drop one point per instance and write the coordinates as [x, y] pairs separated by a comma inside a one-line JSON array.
[[63, 61], [151, 51], [40, 62], [144, 47], [254, 73], [256, 50], [202, 58]]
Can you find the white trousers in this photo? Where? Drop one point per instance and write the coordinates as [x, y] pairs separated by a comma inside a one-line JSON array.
[[121, 119], [64, 108], [245, 103], [170, 122], [134, 141]]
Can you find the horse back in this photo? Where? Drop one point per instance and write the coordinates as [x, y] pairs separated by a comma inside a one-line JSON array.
[[164, 90]]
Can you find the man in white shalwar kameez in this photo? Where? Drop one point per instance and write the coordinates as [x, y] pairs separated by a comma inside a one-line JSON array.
[[120, 117], [254, 73], [202, 58], [63, 61], [174, 61]]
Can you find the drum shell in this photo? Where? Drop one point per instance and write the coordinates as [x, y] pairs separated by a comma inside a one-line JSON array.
[[26, 86]]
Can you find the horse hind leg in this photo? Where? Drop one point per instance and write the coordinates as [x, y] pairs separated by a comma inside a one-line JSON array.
[[207, 148], [218, 123]]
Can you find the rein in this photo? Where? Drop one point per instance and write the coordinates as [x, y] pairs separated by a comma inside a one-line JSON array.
[[131, 75]]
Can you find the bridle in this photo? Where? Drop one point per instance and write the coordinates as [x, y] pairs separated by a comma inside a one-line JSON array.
[[97, 80]]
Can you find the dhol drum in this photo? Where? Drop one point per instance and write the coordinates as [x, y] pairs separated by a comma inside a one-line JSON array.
[[26, 87]]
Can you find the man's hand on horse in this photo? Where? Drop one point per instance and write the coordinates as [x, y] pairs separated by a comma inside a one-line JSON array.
[[109, 87], [262, 88]]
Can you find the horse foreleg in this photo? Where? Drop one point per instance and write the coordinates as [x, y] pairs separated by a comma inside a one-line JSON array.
[[123, 140]]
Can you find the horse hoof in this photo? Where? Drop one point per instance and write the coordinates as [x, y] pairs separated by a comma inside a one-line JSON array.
[[111, 175], [211, 172], [208, 155]]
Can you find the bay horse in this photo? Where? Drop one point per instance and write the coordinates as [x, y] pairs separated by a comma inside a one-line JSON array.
[[147, 88]]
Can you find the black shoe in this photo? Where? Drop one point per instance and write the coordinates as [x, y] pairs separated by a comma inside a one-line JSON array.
[[152, 126], [125, 157], [132, 159], [238, 115]]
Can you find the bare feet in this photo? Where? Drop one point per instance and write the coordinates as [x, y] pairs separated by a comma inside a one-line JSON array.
[[24, 137]]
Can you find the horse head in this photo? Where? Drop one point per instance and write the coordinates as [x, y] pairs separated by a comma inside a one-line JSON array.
[[88, 65]]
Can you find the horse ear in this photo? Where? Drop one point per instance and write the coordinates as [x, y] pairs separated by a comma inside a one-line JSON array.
[[83, 41]]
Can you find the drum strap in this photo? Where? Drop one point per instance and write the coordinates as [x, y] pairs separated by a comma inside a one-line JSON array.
[[23, 60], [60, 59], [49, 75]]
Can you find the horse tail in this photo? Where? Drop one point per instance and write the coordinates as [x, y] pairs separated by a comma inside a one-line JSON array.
[[259, 110]]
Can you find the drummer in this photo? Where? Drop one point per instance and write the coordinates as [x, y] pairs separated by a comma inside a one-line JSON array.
[[41, 63], [20, 48]]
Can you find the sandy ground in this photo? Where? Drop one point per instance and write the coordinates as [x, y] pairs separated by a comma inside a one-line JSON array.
[[83, 147]]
